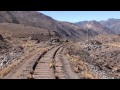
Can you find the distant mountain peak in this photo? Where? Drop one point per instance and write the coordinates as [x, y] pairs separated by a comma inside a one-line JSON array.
[[111, 19], [95, 26], [93, 22], [113, 24]]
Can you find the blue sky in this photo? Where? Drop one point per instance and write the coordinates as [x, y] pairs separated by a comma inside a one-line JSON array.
[[76, 16]]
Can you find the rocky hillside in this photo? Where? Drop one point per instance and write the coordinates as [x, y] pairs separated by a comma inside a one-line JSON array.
[[99, 59], [77, 31], [39, 20]]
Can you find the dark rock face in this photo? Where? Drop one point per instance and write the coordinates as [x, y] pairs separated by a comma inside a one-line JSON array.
[[1, 38]]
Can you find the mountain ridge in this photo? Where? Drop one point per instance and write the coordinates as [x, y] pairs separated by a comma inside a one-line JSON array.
[[36, 19], [67, 30], [113, 24], [95, 26]]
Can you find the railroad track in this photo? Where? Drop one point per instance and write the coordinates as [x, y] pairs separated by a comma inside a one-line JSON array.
[[23, 70], [45, 68], [50, 64]]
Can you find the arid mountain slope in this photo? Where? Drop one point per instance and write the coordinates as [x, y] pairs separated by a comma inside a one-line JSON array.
[[113, 24], [39, 20], [95, 26]]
